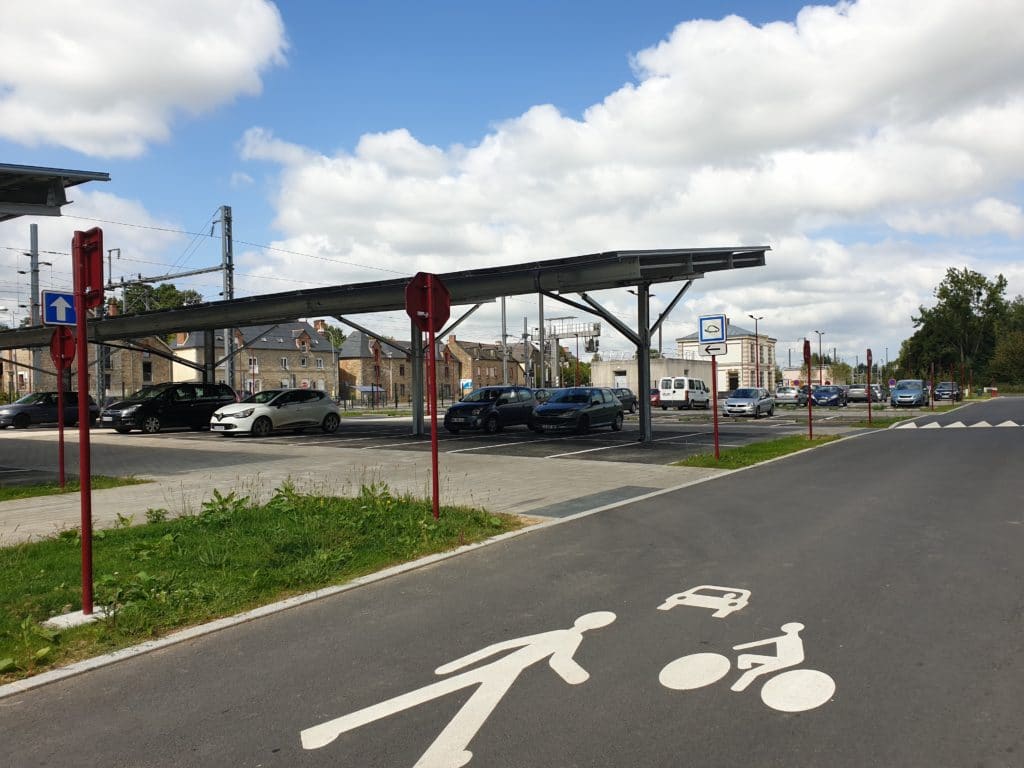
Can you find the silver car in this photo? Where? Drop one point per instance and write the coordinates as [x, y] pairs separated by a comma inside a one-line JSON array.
[[749, 401], [790, 396]]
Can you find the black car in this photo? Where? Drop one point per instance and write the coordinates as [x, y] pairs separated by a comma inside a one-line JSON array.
[[159, 406], [490, 409], [830, 395], [578, 409], [627, 398], [41, 408], [948, 390]]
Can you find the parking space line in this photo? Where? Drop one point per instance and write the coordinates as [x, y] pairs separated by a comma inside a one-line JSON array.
[[501, 445]]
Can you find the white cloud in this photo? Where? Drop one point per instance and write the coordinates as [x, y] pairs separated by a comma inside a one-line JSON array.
[[108, 79], [869, 120]]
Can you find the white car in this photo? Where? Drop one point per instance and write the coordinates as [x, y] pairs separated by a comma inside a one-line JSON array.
[[277, 409]]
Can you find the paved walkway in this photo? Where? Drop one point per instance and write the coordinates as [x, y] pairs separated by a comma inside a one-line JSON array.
[[517, 485]]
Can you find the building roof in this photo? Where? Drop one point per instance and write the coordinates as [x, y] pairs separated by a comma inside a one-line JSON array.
[[280, 337], [359, 346], [735, 332]]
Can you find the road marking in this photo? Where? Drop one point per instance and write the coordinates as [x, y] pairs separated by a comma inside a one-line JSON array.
[[621, 445], [492, 682], [502, 445]]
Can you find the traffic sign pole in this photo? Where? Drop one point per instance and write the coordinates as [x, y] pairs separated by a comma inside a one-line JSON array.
[[62, 350], [432, 398], [810, 413], [86, 249], [714, 397], [869, 387]]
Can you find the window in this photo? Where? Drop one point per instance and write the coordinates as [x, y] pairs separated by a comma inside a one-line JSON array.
[[401, 370], [254, 365], [401, 389], [303, 362], [284, 363], [319, 364], [147, 372]]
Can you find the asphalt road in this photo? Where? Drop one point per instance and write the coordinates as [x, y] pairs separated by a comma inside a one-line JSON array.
[[889, 566]]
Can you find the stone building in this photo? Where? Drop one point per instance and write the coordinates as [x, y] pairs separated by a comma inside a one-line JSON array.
[[482, 364], [748, 355], [380, 372], [269, 356]]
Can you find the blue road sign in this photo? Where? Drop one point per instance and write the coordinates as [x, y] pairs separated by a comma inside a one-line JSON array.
[[59, 308], [712, 329]]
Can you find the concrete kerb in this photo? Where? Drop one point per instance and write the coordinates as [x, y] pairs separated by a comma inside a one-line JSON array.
[[87, 665]]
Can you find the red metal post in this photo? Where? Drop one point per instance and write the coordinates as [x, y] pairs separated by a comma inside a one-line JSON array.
[[432, 398], [714, 397], [807, 360], [84, 459], [869, 386], [60, 419]]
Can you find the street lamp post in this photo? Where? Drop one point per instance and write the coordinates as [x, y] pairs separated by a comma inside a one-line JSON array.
[[757, 350], [821, 362]]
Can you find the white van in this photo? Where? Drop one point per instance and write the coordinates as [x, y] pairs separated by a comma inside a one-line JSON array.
[[683, 392]]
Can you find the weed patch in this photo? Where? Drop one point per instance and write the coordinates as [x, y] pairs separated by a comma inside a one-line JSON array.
[[231, 556], [755, 453]]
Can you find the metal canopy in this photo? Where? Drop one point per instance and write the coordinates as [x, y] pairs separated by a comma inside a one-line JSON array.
[[31, 190], [576, 274]]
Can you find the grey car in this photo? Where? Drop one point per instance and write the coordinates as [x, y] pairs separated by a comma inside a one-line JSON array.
[[749, 401], [41, 408], [790, 396]]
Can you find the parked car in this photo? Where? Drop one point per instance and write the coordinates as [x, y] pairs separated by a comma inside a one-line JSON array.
[[749, 401], [491, 409], [541, 394], [860, 393], [831, 395], [159, 406], [948, 390], [790, 396], [41, 408], [909, 392], [277, 409], [684, 392], [627, 398], [655, 397], [578, 409]]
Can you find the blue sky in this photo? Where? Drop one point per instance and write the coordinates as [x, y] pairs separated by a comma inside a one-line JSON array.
[[871, 144]]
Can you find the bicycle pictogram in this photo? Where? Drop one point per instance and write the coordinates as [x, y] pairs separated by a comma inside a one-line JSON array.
[[797, 690]]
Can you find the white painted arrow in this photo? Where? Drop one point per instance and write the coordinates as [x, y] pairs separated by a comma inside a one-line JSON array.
[[956, 425], [981, 424], [1008, 423], [931, 425], [61, 305]]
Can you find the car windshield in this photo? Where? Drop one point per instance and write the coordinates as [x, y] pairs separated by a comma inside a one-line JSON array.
[[482, 395], [147, 393], [908, 384], [263, 397], [945, 385], [571, 396], [786, 390], [745, 393], [826, 390]]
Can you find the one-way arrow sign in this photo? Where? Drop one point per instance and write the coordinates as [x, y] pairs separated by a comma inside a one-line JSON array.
[[711, 350], [59, 308]]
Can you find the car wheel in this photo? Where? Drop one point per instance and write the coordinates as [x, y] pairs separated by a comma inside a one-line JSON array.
[[664, 407], [491, 424], [122, 430], [617, 422], [453, 430], [261, 427], [757, 412], [330, 423], [632, 408], [151, 425], [21, 421], [771, 411]]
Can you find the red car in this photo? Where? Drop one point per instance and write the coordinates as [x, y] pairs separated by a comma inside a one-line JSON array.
[[655, 397]]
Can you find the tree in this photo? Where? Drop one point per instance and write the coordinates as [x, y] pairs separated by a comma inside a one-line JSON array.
[[1007, 364], [335, 335], [142, 297], [960, 330]]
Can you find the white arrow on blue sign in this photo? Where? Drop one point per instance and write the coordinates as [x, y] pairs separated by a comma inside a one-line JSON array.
[[59, 308]]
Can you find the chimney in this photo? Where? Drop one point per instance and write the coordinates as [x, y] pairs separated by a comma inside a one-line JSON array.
[[112, 308], [320, 326]]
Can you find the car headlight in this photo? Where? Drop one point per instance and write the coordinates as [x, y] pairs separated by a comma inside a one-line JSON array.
[[5, 412], [241, 414], [129, 410]]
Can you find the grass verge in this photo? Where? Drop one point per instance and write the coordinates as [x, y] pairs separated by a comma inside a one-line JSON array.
[[755, 453], [230, 557], [71, 486]]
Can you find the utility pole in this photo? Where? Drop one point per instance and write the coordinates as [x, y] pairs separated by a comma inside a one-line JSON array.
[[504, 345], [540, 333], [34, 300], [228, 265]]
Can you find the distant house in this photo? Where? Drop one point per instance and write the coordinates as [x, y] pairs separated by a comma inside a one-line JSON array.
[[482, 364], [748, 355], [271, 356], [381, 371]]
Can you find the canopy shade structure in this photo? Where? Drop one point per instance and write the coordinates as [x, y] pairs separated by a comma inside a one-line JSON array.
[[27, 190]]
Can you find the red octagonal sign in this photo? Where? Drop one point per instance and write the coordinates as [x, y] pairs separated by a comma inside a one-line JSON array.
[[428, 302]]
